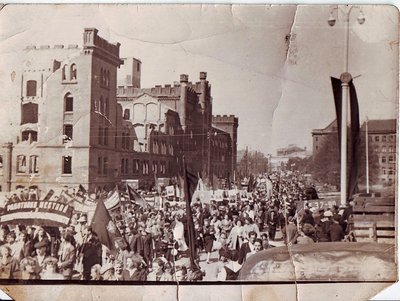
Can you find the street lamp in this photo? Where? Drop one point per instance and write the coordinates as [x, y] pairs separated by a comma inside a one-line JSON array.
[[345, 78]]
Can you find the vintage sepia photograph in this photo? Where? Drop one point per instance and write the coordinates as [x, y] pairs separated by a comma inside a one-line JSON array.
[[199, 144]]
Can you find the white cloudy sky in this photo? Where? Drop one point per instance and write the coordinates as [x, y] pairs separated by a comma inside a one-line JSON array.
[[279, 99]]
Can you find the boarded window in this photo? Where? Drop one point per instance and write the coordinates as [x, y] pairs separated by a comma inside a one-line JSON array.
[[31, 87], [29, 113], [67, 165]]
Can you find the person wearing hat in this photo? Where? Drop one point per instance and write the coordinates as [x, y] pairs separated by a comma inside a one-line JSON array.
[[91, 251], [322, 229], [49, 271], [41, 249], [289, 232], [42, 236]]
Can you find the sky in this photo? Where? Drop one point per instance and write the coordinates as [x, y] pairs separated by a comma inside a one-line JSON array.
[[269, 65]]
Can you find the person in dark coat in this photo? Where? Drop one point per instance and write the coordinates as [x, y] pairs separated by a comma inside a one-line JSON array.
[[148, 250], [247, 247], [307, 218], [91, 252], [336, 230], [208, 238]]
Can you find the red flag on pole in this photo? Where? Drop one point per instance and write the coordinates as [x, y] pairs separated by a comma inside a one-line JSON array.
[[104, 227], [136, 197]]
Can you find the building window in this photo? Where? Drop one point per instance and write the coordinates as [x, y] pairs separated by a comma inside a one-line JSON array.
[[1, 165], [384, 171], [391, 172], [383, 149], [127, 114], [376, 138], [122, 166], [67, 165], [383, 138], [99, 165], [391, 159], [107, 108], [29, 135], [68, 131], [383, 160], [30, 113], [33, 165], [100, 137], [73, 72], [64, 72], [105, 166], [105, 137], [21, 164], [108, 78], [31, 88], [69, 103]]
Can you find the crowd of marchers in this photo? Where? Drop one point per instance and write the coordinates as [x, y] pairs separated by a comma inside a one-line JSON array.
[[154, 242]]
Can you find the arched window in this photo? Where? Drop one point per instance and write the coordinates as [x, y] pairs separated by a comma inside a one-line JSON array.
[[127, 114], [69, 103], [108, 78], [31, 87], [73, 72]]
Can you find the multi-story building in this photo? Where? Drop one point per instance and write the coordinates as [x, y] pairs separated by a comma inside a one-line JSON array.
[[71, 125], [72, 129], [382, 143], [208, 143]]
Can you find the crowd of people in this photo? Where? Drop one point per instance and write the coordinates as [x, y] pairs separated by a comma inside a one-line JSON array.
[[153, 242]]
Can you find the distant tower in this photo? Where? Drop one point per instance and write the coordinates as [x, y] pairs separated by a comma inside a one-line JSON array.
[[230, 125], [129, 74]]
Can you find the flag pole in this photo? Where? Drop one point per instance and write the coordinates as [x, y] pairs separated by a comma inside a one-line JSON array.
[[189, 218]]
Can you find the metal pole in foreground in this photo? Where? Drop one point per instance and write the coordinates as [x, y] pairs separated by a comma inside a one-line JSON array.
[[345, 77]]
